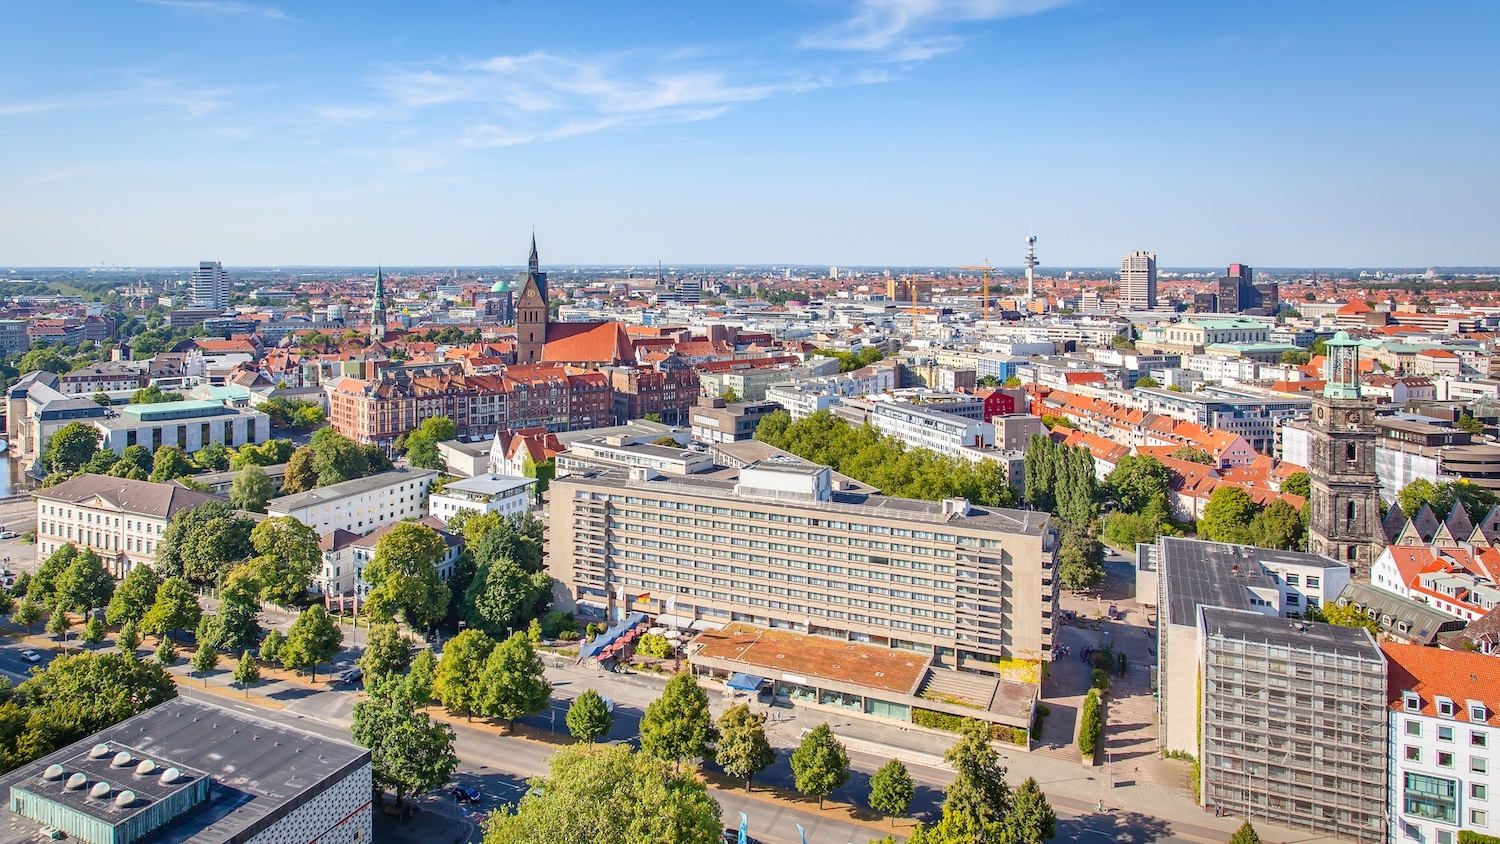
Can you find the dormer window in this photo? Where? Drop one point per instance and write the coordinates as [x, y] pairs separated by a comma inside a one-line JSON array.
[[1446, 708], [1411, 701], [1478, 712]]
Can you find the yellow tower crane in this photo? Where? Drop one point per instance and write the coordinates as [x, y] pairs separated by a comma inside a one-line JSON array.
[[986, 268]]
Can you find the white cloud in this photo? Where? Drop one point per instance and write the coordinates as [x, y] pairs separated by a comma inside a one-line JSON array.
[[912, 30], [222, 7]]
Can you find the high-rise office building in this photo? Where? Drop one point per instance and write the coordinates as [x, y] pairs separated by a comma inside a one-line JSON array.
[[1138, 281], [1239, 294], [210, 285]]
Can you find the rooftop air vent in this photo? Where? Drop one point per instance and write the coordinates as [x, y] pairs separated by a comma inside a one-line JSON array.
[[125, 799], [99, 751], [53, 772], [121, 759], [146, 768], [170, 776], [99, 791], [77, 781]]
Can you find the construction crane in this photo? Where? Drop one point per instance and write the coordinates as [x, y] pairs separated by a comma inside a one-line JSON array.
[[986, 268]]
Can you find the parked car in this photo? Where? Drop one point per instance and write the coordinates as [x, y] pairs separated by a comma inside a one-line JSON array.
[[1114, 612], [31, 655], [352, 676], [8, 534], [466, 794]]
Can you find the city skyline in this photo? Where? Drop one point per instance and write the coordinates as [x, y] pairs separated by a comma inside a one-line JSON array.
[[874, 133]]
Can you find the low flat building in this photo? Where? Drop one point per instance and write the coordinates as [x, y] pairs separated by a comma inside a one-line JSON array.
[[1294, 723], [360, 505], [189, 425], [715, 420], [482, 494], [467, 460], [186, 771], [623, 451], [121, 519], [221, 482]]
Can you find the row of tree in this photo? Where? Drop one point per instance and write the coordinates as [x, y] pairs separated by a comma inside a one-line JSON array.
[[331, 458], [884, 462], [1060, 479]]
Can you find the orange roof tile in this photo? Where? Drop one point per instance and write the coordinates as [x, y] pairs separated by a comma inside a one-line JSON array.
[[1461, 676]]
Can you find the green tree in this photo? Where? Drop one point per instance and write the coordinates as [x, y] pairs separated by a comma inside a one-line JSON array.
[[1088, 731], [236, 625], [1031, 819], [1278, 526], [421, 676], [214, 457], [336, 458], [166, 652], [503, 593], [93, 632], [1295, 357], [102, 463], [1147, 381], [820, 764], [1343, 616], [312, 640], [73, 445], [134, 596], [410, 753], [667, 441], [387, 652], [376, 460], [153, 395], [288, 554], [251, 489], [270, 647], [129, 638], [1297, 484], [44, 585], [1193, 455], [58, 623], [1227, 516], [44, 360], [978, 800], [678, 725], [85, 584], [137, 456], [652, 645], [1122, 341], [301, 473], [743, 750], [457, 681], [246, 672], [892, 790], [169, 463], [403, 576], [175, 608], [76, 696], [1080, 559], [421, 444], [514, 683], [205, 659], [606, 793], [589, 718], [1137, 481], [1470, 424], [1245, 835], [202, 543]]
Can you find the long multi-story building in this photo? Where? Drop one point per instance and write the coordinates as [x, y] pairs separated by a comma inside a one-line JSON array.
[[1444, 709], [918, 427], [669, 390], [1293, 723], [189, 425], [101, 377], [360, 505], [121, 519], [557, 398], [775, 544]]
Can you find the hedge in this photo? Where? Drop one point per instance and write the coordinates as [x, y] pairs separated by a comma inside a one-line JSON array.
[[956, 723], [1468, 836]]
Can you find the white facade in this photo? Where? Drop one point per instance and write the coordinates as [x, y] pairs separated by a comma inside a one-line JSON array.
[[482, 494], [360, 505], [1441, 779], [801, 400], [1138, 281], [944, 433], [121, 519], [210, 285]]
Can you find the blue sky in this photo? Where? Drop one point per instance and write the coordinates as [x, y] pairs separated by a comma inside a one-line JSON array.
[[850, 132]]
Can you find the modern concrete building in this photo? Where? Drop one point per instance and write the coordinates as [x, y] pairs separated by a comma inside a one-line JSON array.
[[941, 432], [121, 519], [211, 286], [35, 410], [482, 494], [623, 451], [187, 771], [1192, 574], [802, 400], [189, 425], [1138, 281], [13, 336], [360, 505], [1294, 723], [717, 421], [774, 544], [1444, 709]]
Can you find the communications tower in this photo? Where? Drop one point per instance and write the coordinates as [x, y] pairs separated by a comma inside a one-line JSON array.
[[1031, 263]]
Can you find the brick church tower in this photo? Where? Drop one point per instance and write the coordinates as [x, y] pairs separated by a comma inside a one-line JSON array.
[[531, 312], [1344, 522]]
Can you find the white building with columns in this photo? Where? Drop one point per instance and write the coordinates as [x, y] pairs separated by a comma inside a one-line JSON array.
[[189, 425]]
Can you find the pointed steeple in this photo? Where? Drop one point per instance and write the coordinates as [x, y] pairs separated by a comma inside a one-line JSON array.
[[534, 263], [377, 307], [379, 288]]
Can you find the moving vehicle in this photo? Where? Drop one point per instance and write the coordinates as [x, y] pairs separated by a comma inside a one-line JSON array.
[[31, 655], [466, 794], [8, 534], [352, 676]]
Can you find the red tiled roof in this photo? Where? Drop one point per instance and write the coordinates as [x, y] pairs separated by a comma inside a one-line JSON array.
[[587, 342], [1461, 676]]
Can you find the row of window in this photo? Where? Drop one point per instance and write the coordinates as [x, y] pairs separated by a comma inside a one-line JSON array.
[[1477, 738], [1477, 764]]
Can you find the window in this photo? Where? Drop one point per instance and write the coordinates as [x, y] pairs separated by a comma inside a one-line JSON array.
[[1314, 581], [1479, 817], [1445, 759], [1445, 733], [1292, 600], [1478, 713], [1414, 728], [1478, 739], [1413, 754], [1446, 708], [1293, 580], [1430, 797], [1479, 791], [1444, 836], [1479, 764]]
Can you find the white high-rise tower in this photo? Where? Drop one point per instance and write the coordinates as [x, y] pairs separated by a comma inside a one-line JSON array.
[[1138, 281], [210, 285], [1031, 263]]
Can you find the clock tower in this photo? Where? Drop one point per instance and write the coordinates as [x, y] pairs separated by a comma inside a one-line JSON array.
[[1344, 522]]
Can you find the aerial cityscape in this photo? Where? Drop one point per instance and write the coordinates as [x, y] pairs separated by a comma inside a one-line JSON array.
[[865, 421]]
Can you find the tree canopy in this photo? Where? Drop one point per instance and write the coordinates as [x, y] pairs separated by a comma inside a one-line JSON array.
[[678, 725], [820, 765], [589, 719], [743, 750], [204, 542], [251, 489], [403, 575], [410, 753], [1061, 480]]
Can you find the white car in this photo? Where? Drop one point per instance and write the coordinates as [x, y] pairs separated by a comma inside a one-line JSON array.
[[31, 655], [8, 534]]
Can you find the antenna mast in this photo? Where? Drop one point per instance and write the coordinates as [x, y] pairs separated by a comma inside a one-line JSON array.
[[1031, 263]]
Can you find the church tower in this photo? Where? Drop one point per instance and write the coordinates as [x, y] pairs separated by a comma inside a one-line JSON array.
[[377, 309], [531, 312], [1344, 522]]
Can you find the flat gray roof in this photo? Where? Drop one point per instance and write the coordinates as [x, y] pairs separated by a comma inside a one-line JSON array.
[[1291, 633], [262, 771], [348, 488], [1202, 573]]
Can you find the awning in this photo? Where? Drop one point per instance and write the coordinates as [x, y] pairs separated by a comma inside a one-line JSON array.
[[674, 620], [745, 682], [705, 624]]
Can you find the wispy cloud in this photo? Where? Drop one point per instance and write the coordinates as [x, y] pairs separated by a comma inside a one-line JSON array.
[[222, 7], [915, 30], [144, 91], [47, 177]]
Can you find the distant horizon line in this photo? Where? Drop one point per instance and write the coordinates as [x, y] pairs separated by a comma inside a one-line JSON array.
[[731, 266]]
